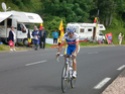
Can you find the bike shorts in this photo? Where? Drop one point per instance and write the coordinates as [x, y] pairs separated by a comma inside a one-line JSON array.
[[70, 50]]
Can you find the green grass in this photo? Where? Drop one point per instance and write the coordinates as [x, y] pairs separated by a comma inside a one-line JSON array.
[[88, 44], [48, 45], [115, 33], [116, 27], [19, 48], [4, 47]]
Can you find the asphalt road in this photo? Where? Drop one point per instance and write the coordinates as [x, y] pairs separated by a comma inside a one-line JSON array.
[[37, 72]]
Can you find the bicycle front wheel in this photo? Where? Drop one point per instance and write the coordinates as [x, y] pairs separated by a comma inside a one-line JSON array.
[[72, 82], [65, 82]]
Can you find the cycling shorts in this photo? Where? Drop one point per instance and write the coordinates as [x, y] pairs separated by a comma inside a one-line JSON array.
[[70, 50]]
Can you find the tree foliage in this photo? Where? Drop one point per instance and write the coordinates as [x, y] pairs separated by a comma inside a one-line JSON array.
[[72, 10]]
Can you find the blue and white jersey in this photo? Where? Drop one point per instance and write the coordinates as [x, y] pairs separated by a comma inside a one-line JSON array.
[[71, 41]]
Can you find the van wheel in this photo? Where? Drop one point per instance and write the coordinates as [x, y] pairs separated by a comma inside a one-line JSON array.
[[25, 42]]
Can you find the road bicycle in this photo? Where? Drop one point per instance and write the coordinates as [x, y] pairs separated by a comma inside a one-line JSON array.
[[67, 80]]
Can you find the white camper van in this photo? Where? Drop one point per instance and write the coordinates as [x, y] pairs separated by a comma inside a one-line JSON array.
[[19, 21], [86, 30]]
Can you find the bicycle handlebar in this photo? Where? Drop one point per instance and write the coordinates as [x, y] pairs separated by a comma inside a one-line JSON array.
[[61, 55]]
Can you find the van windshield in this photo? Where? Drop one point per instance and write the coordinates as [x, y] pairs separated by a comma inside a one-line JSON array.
[[30, 27]]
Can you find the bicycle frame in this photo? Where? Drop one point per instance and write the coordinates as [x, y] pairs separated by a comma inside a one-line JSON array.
[[67, 72], [68, 64]]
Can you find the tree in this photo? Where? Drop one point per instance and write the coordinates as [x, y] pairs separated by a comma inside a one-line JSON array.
[[120, 9], [72, 10], [106, 10]]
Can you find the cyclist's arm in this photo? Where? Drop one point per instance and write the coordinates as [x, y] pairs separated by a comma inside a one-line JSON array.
[[77, 48], [60, 45]]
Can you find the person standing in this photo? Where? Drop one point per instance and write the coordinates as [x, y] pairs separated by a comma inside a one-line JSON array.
[[55, 35], [120, 37], [43, 35], [35, 35], [12, 39]]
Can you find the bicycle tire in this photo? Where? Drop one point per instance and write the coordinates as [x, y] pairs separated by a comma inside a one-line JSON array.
[[64, 81], [72, 82]]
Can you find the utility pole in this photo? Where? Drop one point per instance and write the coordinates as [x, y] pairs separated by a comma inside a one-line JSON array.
[[96, 21]]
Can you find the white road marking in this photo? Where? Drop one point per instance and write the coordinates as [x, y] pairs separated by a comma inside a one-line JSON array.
[[120, 68], [102, 83], [34, 63]]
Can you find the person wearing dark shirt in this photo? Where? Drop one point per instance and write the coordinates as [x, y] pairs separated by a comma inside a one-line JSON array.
[[12, 39], [43, 35]]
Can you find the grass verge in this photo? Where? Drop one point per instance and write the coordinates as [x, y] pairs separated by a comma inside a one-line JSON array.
[[4, 47]]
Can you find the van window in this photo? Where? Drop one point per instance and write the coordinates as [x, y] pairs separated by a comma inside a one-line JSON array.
[[89, 30], [81, 30], [101, 26], [9, 22], [2, 23], [20, 27]]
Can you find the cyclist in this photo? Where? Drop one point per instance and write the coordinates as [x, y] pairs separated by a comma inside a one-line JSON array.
[[72, 41]]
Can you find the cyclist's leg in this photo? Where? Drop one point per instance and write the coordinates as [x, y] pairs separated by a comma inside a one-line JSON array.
[[66, 55], [74, 59], [74, 63], [67, 52], [74, 66]]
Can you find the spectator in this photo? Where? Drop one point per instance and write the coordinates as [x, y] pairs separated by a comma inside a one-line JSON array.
[[43, 35], [120, 37], [12, 39], [35, 35], [55, 36]]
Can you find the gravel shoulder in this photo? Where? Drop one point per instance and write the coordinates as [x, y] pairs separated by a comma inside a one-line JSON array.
[[117, 86]]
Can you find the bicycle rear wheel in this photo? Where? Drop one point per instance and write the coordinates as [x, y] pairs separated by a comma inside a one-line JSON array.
[[65, 82]]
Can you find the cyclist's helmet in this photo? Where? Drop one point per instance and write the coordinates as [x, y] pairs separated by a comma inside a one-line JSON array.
[[70, 29]]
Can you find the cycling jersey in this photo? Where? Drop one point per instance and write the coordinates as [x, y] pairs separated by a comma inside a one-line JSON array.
[[71, 43]]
